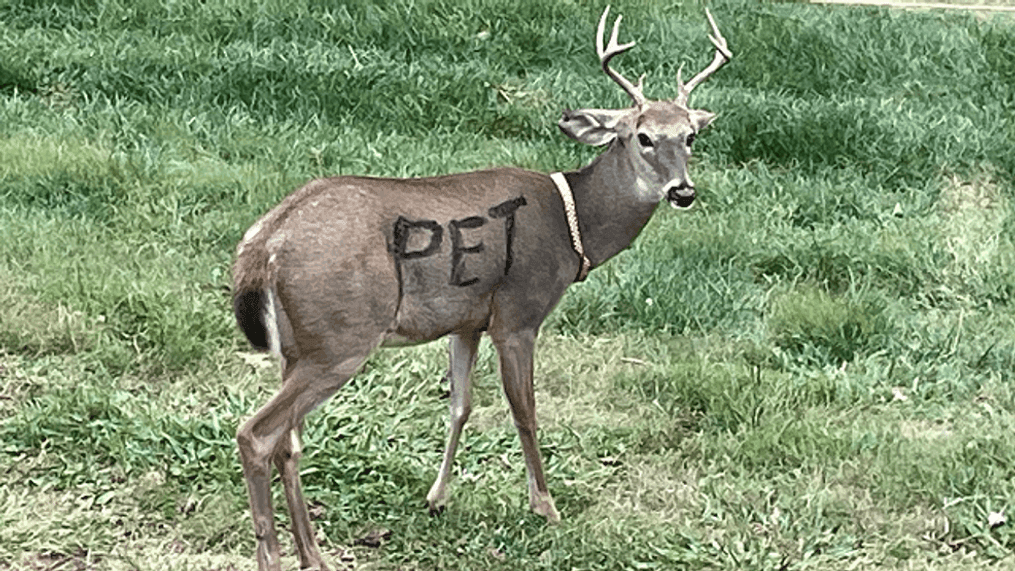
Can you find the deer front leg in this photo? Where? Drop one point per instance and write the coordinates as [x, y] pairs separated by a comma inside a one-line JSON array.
[[463, 349], [516, 363]]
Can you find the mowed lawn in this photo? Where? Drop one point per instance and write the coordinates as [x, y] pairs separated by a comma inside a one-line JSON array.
[[810, 369]]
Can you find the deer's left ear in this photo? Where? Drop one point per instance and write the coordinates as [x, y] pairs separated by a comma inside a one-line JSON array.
[[700, 118], [592, 126]]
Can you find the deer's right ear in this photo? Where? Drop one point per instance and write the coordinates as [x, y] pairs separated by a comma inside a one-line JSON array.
[[591, 126]]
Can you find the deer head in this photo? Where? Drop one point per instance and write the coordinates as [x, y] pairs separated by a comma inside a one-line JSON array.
[[655, 137]]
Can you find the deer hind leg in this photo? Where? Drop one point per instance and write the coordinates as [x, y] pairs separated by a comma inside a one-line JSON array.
[[516, 364], [268, 436], [255, 450], [287, 460], [463, 349]]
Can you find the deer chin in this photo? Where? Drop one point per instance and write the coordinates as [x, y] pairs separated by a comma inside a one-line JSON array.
[[681, 199]]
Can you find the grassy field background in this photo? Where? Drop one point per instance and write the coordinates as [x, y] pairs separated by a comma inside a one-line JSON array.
[[811, 369]]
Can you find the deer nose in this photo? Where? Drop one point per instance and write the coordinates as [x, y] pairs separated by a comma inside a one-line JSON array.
[[680, 195]]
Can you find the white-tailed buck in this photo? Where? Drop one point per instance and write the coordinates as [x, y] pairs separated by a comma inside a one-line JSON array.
[[347, 264]]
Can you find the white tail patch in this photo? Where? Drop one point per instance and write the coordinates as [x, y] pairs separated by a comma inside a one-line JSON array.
[[271, 325], [249, 235]]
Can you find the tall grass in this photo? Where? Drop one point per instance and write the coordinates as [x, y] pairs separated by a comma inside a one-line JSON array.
[[810, 369]]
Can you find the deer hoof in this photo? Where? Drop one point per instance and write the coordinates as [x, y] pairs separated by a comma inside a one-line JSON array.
[[436, 507], [437, 499], [543, 505]]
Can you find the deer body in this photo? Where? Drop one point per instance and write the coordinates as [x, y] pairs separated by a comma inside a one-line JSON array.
[[428, 256], [347, 264]]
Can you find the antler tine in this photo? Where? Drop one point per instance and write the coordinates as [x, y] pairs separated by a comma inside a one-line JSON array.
[[722, 55], [605, 55]]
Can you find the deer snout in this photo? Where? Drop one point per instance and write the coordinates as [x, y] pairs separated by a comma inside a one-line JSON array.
[[680, 195]]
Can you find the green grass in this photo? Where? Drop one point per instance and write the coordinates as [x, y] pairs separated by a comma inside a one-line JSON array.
[[812, 369]]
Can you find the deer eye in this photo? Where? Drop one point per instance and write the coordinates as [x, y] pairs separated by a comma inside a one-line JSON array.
[[690, 139], [645, 140]]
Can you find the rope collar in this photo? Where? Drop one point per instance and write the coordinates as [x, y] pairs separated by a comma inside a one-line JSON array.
[[572, 224]]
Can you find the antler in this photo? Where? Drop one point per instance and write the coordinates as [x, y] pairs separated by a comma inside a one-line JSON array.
[[722, 55], [613, 49]]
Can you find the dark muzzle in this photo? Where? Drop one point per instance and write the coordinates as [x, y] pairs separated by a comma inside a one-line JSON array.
[[680, 196]]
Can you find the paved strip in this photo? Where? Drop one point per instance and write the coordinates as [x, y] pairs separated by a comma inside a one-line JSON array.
[[920, 5]]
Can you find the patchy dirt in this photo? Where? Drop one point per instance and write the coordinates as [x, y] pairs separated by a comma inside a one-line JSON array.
[[374, 538], [973, 211], [78, 561], [959, 195], [925, 430]]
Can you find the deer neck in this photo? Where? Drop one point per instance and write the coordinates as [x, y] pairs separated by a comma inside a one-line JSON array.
[[610, 215]]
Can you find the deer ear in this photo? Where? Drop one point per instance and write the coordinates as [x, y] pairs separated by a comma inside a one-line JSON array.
[[700, 118], [592, 126]]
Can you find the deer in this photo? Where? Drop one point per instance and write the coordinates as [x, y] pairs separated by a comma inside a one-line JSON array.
[[345, 265]]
